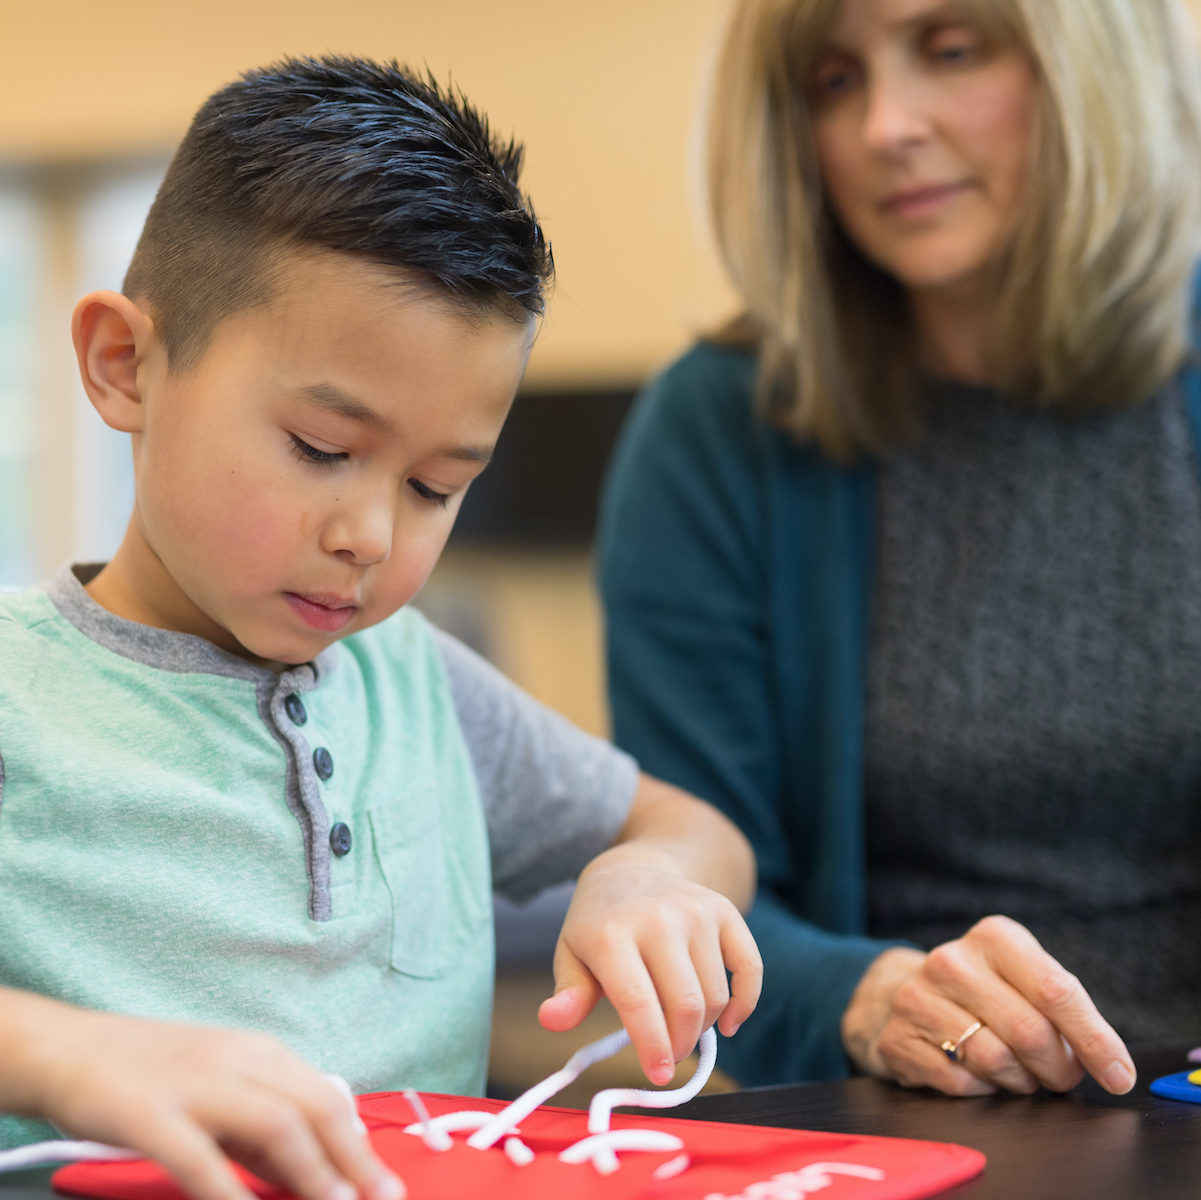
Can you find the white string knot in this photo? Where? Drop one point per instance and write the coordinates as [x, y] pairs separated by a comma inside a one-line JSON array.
[[602, 1145]]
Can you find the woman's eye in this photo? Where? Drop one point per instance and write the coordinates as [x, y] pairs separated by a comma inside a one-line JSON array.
[[307, 453], [835, 81], [830, 81], [953, 46], [428, 493]]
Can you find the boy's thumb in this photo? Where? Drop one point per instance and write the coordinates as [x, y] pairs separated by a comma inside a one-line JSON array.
[[576, 994]]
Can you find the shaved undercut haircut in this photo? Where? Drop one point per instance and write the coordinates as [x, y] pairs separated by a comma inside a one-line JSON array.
[[338, 154]]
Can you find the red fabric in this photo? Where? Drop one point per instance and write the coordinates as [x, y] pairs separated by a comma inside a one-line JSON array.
[[726, 1161]]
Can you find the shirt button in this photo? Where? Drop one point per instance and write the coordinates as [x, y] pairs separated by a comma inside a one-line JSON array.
[[324, 762], [340, 840], [294, 707]]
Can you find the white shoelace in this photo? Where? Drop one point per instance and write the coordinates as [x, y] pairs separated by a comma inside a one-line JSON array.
[[601, 1146], [42, 1154]]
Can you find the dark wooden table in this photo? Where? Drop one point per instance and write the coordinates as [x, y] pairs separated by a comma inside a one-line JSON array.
[[1086, 1145]]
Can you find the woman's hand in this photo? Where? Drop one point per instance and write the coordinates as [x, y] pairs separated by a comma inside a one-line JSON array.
[[1039, 1026], [187, 1096]]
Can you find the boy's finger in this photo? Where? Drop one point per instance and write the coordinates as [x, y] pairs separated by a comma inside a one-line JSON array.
[[711, 971], [349, 1150], [194, 1159], [745, 965], [681, 995], [630, 990], [270, 1133]]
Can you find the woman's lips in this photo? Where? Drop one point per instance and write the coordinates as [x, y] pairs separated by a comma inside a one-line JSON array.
[[920, 201], [327, 613]]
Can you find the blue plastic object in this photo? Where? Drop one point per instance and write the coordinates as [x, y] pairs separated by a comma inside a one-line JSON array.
[[1177, 1087]]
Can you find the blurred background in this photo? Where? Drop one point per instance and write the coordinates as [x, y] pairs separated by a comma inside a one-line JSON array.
[[93, 99]]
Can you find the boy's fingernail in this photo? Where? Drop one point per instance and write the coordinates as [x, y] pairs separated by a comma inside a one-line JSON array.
[[1118, 1078], [387, 1187], [661, 1073], [341, 1191]]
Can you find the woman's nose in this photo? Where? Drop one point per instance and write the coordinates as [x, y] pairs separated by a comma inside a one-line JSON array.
[[895, 117]]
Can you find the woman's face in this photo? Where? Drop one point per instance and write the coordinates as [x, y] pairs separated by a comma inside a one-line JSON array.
[[923, 127]]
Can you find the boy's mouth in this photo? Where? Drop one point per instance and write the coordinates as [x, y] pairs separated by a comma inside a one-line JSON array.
[[327, 613]]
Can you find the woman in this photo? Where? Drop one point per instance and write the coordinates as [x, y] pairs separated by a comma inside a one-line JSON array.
[[903, 568]]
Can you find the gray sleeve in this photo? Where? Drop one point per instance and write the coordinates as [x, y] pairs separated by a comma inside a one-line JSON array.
[[554, 796]]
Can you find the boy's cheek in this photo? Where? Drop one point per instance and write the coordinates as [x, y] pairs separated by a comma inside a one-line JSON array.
[[402, 578]]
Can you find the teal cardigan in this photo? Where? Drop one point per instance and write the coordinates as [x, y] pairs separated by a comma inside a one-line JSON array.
[[735, 570]]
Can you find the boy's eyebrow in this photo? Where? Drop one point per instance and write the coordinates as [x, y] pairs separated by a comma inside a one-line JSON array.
[[331, 397], [476, 454]]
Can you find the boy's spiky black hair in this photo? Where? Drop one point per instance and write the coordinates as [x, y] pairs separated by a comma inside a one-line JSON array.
[[341, 154]]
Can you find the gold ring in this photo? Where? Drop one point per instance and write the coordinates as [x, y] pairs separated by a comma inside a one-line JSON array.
[[951, 1049]]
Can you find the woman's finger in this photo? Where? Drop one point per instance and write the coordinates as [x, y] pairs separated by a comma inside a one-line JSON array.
[[909, 1058], [990, 1059], [1068, 1014], [915, 1041], [965, 971]]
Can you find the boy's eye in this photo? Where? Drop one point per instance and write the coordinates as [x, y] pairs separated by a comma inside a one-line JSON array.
[[307, 453], [428, 493]]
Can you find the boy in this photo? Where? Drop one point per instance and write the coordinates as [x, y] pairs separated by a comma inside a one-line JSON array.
[[241, 783]]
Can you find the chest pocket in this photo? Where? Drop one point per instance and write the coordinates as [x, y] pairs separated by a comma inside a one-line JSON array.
[[439, 887]]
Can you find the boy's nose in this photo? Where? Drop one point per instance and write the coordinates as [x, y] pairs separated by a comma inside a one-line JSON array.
[[362, 530]]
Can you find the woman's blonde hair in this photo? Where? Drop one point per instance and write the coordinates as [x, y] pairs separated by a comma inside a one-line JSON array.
[[1092, 292]]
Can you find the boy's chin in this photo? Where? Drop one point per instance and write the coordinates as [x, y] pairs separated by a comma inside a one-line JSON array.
[[273, 652], [281, 652]]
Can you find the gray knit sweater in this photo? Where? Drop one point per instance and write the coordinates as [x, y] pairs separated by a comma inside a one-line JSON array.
[[1034, 695]]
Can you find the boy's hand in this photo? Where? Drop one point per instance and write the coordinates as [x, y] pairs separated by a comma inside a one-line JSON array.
[[186, 1096], [646, 929]]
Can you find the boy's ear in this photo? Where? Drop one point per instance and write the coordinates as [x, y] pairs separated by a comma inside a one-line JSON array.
[[112, 336]]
